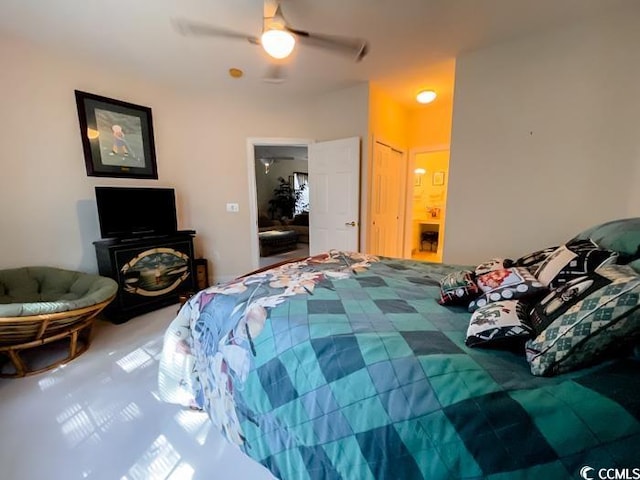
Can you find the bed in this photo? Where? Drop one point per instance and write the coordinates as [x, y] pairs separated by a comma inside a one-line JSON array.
[[347, 365]]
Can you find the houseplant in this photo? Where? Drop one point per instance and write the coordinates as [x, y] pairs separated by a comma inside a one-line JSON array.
[[284, 199]]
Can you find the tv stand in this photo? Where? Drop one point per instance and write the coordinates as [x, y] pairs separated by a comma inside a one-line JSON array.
[[151, 271]]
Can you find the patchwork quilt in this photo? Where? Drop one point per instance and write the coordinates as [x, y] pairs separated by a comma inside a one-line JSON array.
[[344, 366]]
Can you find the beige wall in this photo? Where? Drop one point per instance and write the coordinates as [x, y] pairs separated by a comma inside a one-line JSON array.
[[388, 119], [49, 215], [545, 135], [430, 125], [634, 199]]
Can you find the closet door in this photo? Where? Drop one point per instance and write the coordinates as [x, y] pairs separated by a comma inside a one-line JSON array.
[[387, 201]]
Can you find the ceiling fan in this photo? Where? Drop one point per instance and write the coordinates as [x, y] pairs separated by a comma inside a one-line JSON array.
[[278, 38], [268, 162]]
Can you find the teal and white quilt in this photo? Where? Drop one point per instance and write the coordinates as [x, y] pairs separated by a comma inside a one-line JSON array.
[[344, 366]]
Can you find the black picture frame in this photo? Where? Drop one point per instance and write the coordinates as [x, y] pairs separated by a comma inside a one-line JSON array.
[[117, 137]]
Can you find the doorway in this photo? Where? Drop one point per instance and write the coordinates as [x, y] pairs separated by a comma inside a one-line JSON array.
[[334, 192], [427, 205], [282, 202]]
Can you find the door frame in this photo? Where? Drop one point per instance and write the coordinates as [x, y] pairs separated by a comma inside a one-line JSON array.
[[411, 165], [251, 178]]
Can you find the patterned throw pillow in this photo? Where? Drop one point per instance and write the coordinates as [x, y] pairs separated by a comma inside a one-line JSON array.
[[575, 259], [506, 284], [458, 288], [499, 324], [562, 298], [493, 264], [533, 260], [600, 321]]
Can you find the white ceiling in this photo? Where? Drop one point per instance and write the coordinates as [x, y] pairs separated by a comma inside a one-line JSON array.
[[413, 43]]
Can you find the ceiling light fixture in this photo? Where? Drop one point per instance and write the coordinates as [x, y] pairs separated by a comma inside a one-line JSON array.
[[419, 171], [426, 96], [277, 42], [268, 163]]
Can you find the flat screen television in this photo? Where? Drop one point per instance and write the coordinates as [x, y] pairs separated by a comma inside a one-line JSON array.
[[126, 212]]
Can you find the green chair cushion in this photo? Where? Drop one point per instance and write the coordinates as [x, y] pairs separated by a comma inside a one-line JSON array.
[[43, 290]]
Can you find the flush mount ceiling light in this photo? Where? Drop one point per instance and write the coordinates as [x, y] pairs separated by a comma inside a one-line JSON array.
[[426, 96]]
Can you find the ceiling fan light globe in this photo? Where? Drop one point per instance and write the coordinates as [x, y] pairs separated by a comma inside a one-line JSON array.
[[278, 43]]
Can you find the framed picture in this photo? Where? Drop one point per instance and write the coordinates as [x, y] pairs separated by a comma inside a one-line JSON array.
[[417, 180], [117, 137], [438, 178]]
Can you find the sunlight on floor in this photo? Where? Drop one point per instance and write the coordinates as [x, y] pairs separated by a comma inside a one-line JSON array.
[[78, 427], [47, 382], [195, 423], [156, 463], [136, 359]]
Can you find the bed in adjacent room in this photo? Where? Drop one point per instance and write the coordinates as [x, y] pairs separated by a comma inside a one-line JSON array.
[[348, 365]]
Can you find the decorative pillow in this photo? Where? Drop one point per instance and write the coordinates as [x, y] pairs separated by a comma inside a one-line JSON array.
[[562, 298], [506, 284], [575, 259], [606, 319], [622, 236], [499, 324], [532, 260], [458, 288], [493, 264], [635, 265]]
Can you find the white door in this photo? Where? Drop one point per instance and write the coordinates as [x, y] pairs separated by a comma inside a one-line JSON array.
[[387, 201], [334, 191]]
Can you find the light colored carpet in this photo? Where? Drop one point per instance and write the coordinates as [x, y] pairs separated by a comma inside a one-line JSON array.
[[99, 418]]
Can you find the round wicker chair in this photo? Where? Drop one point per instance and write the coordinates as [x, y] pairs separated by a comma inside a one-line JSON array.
[[45, 306]]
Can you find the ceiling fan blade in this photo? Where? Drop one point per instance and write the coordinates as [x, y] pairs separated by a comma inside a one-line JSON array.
[[276, 73], [197, 29], [355, 48]]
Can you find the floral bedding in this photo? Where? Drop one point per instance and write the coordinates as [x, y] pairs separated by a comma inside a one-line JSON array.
[[346, 366]]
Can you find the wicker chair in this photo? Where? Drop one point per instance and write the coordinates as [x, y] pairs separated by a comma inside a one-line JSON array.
[[44, 306]]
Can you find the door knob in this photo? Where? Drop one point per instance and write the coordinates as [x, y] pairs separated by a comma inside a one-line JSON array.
[[353, 224]]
